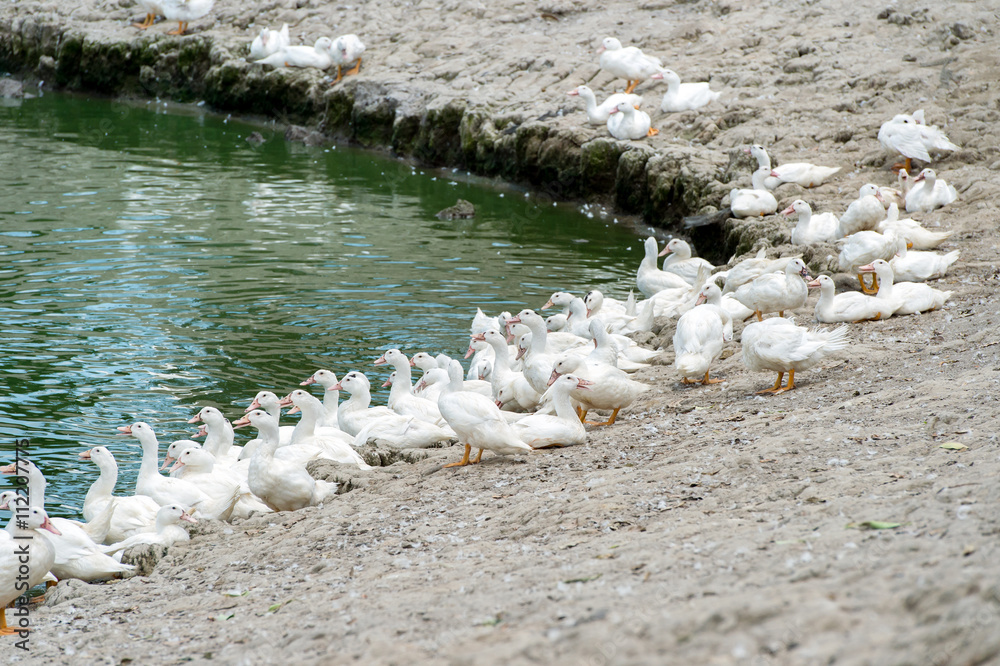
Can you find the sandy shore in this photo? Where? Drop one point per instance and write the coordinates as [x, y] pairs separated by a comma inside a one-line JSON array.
[[710, 525]]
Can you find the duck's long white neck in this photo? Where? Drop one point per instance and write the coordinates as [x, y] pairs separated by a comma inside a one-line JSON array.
[[272, 406], [589, 99], [36, 485], [404, 375], [361, 398], [104, 486], [539, 334], [501, 361], [267, 432], [758, 178], [649, 260], [884, 285], [805, 215], [150, 456], [311, 409], [220, 437], [562, 403]]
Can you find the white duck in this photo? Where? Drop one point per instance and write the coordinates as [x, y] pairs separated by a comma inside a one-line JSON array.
[[810, 228], [598, 114], [481, 365], [185, 11], [864, 213], [434, 381], [627, 63], [779, 345], [517, 387], [552, 343], [14, 581], [131, 514], [356, 413], [198, 466], [77, 555], [649, 279], [165, 531], [357, 410], [896, 195], [270, 403], [317, 56], [403, 432], [564, 428], [174, 451], [425, 363], [401, 397], [917, 236], [94, 530], [679, 260], [909, 297], [166, 490], [850, 306], [776, 292], [152, 8], [754, 202], [918, 266], [612, 388], [700, 335], [803, 174], [280, 484], [345, 50], [219, 436], [268, 42], [912, 139], [331, 399], [599, 304], [863, 248], [476, 420], [629, 123], [607, 348], [748, 269], [333, 444], [929, 192], [683, 96]]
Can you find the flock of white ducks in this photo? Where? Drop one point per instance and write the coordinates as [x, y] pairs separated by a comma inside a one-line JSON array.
[[536, 393]]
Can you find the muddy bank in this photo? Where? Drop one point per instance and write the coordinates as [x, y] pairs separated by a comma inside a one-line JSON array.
[[711, 525]]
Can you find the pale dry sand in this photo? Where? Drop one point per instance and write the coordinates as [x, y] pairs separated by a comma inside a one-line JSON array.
[[710, 525]]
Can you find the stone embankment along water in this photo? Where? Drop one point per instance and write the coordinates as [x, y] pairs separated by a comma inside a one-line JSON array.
[[660, 185]]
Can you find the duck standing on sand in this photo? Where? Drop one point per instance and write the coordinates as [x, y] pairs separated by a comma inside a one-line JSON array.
[[185, 11], [909, 136], [627, 62], [153, 8], [345, 50], [779, 345]]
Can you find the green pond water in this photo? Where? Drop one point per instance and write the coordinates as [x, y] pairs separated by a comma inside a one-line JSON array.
[[152, 261]]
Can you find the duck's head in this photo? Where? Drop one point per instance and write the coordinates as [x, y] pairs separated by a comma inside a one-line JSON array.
[[798, 206], [388, 356], [609, 44], [668, 75], [37, 519]]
